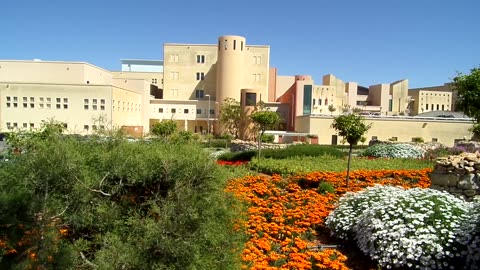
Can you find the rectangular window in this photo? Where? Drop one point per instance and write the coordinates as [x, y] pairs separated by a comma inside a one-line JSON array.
[[49, 106], [41, 105], [102, 107], [65, 106], [8, 98], [438, 107], [15, 98], [94, 107], [200, 76], [212, 111], [85, 106], [319, 102], [160, 110], [15, 105], [59, 106], [25, 105], [94, 101], [65, 100], [49, 99], [199, 111], [9, 125], [85, 101], [8, 105], [25, 99], [256, 77], [251, 99], [257, 60], [32, 99], [32, 105], [199, 93], [102, 101], [234, 44], [241, 45], [173, 110], [200, 59], [185, 111], [174, 92], [94, 127], [431, 107], [41, 99], [173, 58], [313, 102], [443, 107], [25, 125], [32, 125], [59, 100], [15, 125], [174, 75], [85, 127], [307, 99]]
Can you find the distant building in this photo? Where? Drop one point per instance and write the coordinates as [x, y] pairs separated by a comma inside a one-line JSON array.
[[190, 85]]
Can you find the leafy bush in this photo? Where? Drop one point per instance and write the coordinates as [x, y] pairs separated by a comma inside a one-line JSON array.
[[238, 156], [394, 150], [324, 188], [302, 150], [418, 140], [268, 138], [217, 143], [413, 228]]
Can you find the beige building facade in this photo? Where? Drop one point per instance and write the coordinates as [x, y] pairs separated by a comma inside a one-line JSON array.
[[191, 83]]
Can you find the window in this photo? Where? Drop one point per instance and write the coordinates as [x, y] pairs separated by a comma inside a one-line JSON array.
[[41, 105], [85, 101], [438, 107], [200, 76], [200, 59], [326, 102], [94, 101], [174, 75], [15, 99], [199, 111], [32, 105], [257, 60], [49, 106], [15, 125], [85, 127], [234, 44], [41, 99], [431, 106], [199, 93], [32, 99], [25, 125], [15, 105], [94, 107], [185, 111], [319, 102], [102, 101], [25, 99], [225, 44], [443, 107], [251, 99], [8, 105], [212, 111], [9, 125], [160, 110], [434, 140], [85, 106], [59, 106], [256, 77], [102, 107], [313, 102], [25, 105], [65, 100], [94, 127], [174, 110], [59, 100], [49, 99], [65, 106], [154, 81], [173, 58], [32, 125], [8, 98], [241, 45], [174, 92]]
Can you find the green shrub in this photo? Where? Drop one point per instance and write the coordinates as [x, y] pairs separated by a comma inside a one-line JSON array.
[[418, 140], [238, 156], [268, 138], [324, 188], [217, 143], [302, 150]]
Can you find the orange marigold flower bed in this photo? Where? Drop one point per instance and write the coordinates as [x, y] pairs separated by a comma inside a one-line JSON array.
[[284, 215]]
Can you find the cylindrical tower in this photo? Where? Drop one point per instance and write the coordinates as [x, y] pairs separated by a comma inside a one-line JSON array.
[[230, 67]]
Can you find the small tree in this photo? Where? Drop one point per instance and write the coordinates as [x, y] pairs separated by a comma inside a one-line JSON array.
[[164, 129], [230, 116], [264, 120], [351, 127], [331, 108], [468, 96]]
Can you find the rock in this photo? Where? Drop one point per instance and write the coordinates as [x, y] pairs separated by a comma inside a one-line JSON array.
[[469, 192], [444, 179], [460, 171]]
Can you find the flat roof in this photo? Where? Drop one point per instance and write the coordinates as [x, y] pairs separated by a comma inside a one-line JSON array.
[[142, 61]]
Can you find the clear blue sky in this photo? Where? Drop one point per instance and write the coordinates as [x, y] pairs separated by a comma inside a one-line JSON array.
[[370, 42]]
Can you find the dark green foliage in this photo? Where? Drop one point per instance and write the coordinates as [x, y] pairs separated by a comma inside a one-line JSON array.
[[126, 205], [324, 188], [299, 150], [216, 143], [238, 156], [468, 93], [268, 138], [164, 129]]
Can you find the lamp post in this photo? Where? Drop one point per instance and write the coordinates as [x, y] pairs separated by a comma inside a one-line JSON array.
[[208, 115]]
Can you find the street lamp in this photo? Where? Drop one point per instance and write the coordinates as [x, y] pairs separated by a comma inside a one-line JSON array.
[[208, 115]]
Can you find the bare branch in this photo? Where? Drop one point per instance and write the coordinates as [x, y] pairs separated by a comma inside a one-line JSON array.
[[94, 190], [87, 261], [61, 213]]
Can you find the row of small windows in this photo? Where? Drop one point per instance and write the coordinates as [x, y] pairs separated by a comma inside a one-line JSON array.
[[320, 102], [43, 102], [14, 125], [201, 58], [126, 106], [432, 107], [94, 127], [93, 104], [225, 45], [432, 94], [187, 111]]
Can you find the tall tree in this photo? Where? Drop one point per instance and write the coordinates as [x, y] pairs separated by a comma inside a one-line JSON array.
[[351, 127], [264, 120], [230, 116], [164, 129], [468, 96]]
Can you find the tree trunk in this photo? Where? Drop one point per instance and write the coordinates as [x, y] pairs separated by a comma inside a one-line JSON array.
[[348, 164], [259, 144]]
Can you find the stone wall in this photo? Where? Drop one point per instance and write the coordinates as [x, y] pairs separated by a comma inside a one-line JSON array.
[[458, 175]]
